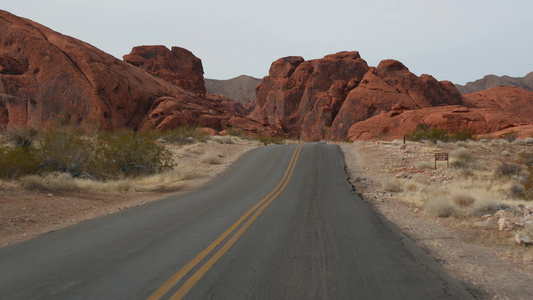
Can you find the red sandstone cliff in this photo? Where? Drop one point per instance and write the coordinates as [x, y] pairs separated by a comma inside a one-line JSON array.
[[46, 76], [323, 98]]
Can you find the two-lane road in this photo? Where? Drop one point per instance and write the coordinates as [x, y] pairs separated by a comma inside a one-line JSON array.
[[281, 223]]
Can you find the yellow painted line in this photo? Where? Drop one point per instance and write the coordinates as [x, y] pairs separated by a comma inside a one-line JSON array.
[[189, 284], [172, 281]]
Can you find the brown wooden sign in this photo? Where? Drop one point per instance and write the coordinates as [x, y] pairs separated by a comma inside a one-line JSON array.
[[441, 157]]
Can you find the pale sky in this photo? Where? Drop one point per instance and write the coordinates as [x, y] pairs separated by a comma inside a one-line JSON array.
[[456, 40]]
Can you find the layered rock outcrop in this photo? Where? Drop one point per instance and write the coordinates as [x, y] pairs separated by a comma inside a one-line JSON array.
[[394, 124], [47, 77], [323, 98], [514, 100], [177, 66]]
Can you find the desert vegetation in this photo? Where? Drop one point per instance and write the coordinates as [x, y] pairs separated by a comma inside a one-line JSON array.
[[487, 188], [62, 158]]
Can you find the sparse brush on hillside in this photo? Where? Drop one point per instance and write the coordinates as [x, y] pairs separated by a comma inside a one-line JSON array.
[[430, 133]]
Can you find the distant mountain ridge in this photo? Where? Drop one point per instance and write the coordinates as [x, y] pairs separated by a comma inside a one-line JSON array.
[[239, 89], [491, 81]]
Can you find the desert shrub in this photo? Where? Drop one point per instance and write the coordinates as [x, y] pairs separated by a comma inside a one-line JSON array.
[[505, 153], [463, 199], [442, 207], [128, 154], [463, 158], [484, 141], [508, 170], [265, 140], [526, 157], [184, 135], [64, 150], [210, 158], [486, 206], [392, 185], [231, 131], [519, 142], [23, 137], [16, 162], [529, 140], [516, 191], [223, 139], [420, 178], [423, 165], [510, 136], [424, 132], [462, 135]]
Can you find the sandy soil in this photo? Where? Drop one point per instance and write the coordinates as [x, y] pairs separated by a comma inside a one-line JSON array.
[[490, 271]]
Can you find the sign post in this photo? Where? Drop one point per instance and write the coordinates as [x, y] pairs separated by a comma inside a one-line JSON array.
[[441, 157]]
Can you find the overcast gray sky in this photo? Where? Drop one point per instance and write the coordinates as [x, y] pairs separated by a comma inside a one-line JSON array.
[[457, 40]]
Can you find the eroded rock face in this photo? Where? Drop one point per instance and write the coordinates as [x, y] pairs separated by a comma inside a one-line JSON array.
[[393, 124], [513, 100], [46, 77], [323, 98], [177, 66]]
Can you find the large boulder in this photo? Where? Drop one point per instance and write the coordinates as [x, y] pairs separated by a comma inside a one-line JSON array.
[[177, 66]]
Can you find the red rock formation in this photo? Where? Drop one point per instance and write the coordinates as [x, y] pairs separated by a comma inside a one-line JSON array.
[[46, 76], [393, 124], [509, 99], [177, 66], [323, 98]]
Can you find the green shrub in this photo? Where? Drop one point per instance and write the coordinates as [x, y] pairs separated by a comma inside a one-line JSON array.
[[23, 137], [265, 140], [65, 150], [128, 154], [462, 135], [16, 162], [184, 135], [424, 132]]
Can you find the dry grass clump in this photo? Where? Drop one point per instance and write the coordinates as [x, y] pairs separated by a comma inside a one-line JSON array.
[[463, 199], [442, 207], [423, 165], [222, 139], [210, 158], [169, 180], [392, 185]]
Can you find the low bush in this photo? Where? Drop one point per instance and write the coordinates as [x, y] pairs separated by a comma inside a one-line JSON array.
[[16, 162], [463, 199], [23, 137], [266, 140], [526, 157], [65, 150], [463, 158], [210, 158], [442, 207], [392, 185], [128, 154], [462, 135], [424, 132], [223, 139], [508, 170]]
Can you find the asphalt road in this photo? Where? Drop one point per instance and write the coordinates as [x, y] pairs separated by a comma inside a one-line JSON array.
[[281, 223]]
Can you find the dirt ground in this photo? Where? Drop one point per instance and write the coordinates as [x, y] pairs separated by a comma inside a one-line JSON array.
[[490, 270]]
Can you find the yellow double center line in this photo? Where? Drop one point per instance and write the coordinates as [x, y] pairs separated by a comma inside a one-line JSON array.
[[258, 209]]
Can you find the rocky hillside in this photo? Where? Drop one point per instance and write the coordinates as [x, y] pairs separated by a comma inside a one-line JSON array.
[[47, 77], [491, 81], [240, 89], [323, 98]]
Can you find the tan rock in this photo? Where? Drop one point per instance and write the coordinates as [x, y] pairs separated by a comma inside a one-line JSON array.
[[506, 224], [523, 239]]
